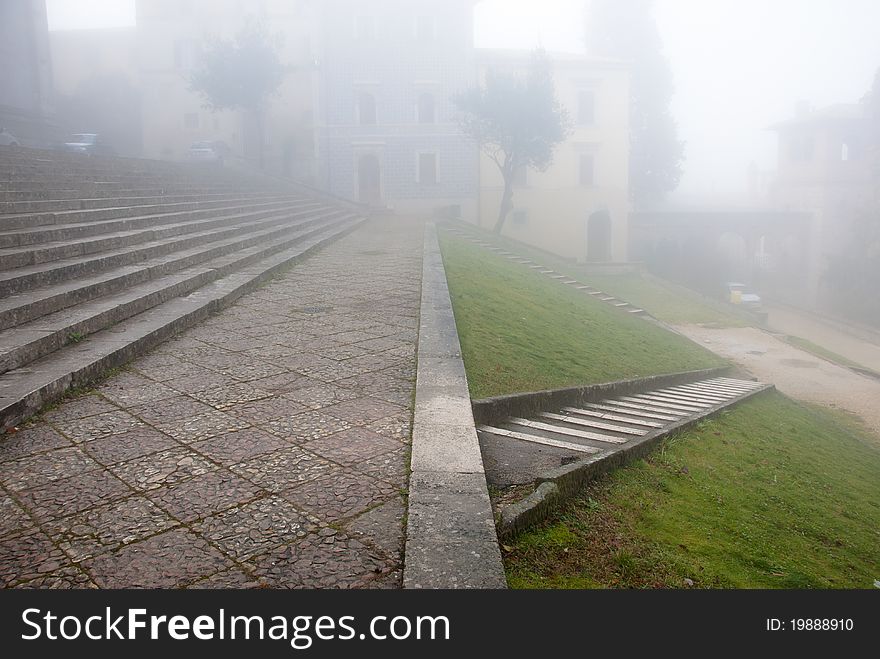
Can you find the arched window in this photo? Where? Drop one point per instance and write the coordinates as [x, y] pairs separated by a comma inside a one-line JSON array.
[[427, 111], [366, 106]]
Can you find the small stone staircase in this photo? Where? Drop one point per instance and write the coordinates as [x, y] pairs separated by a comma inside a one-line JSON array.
[[612, 424], [102, 258]]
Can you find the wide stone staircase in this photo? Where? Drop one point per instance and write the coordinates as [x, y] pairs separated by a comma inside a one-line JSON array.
[[102, 258]]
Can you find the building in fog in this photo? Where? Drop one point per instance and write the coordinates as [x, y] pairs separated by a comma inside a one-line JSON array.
[[579, 207], [95, 73], [26, 71], [824, 169], [170, 37], [385, 118]]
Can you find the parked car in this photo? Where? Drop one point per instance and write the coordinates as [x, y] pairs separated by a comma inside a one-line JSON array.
[[8, 139], [737, 294], [90, 144], [214, 151]]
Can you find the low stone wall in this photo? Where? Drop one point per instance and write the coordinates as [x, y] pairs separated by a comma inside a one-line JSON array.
[[492, 410]]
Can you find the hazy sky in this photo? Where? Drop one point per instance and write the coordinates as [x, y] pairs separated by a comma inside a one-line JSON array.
[[739, 65]]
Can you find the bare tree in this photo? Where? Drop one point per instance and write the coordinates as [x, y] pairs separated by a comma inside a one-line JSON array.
[[241, 74], [518, 122]]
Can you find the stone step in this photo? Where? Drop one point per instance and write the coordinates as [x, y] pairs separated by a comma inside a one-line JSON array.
[[15, 224], [25, 307], [45, 251], [56, 205], [27, 278], [41, 234], [24, 391], [23, 344], [91, 191]]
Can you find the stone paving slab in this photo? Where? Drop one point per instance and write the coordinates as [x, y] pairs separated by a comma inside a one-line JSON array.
[[268, 446]]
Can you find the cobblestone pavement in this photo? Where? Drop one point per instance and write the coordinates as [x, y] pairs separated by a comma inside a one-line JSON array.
[[268, 446]]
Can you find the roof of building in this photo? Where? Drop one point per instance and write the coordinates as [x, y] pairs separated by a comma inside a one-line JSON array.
[[832, 114]]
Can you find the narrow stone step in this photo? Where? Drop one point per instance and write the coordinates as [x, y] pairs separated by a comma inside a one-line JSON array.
[[115, 201], [538, 439], [53, 250], [24, 307], [562, 430], [611, 416], [24, 237], [28, 278], [656, 402], [26, 343], [10, 223], [579, 421], [644, 410], [24, 391]]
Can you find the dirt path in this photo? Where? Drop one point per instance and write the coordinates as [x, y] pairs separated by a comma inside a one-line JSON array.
[[791, 321], [794, 372]]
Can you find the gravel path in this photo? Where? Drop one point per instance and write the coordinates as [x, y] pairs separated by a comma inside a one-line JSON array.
[[794, 372], [791, 321]]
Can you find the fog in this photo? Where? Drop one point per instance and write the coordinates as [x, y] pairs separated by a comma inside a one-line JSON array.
[[739, 66], [737, 69]]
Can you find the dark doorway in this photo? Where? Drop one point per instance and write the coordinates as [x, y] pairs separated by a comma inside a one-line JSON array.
[[599, 237], [369, 180]]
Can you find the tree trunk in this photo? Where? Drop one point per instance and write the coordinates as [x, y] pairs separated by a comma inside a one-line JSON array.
[[260, 141], [506, 204]]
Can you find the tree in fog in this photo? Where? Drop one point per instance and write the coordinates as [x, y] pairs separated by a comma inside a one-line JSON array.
[[626, 30], [241, 74], [517, 120]]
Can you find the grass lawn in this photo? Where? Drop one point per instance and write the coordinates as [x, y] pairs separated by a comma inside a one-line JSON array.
[[521, 332], [772, 494], [665, 300]]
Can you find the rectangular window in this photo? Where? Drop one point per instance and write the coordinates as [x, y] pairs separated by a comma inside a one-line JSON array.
[[586, 114], [191, 121], [587, 170], [427, 174]]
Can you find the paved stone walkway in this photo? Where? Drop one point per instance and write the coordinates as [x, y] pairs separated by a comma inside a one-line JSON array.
[[795, 372], [266, 447]]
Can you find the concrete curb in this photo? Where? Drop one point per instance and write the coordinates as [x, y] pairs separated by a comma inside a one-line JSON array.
[[558, 485], [451, 539]]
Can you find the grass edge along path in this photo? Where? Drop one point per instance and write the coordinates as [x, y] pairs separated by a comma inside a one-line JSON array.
[[772, 494], [521, 332]]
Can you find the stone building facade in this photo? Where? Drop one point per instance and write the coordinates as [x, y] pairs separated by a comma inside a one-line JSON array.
[[385, 125], [26, 71]]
